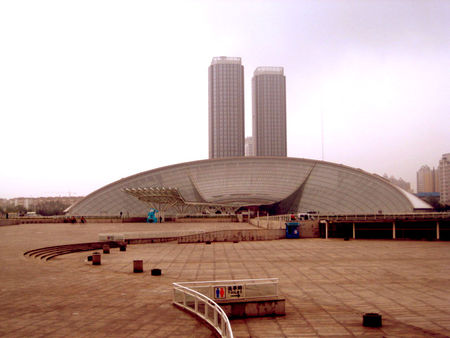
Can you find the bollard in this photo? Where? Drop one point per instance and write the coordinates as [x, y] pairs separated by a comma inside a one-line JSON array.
[[96, 258], [372, 320], [89, 258], [156, 272], [106, 248], [123, 247], [138, 265]]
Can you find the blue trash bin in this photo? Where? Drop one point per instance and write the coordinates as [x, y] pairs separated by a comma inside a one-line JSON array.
[[292, 230]]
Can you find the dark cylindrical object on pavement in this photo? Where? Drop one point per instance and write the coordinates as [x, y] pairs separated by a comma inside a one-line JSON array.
[[96, 258], [372, 320], [106, 248], [89, 258], [138, 265], [156, 272]]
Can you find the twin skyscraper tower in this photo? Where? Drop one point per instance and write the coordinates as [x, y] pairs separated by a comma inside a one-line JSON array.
[[226, 109]]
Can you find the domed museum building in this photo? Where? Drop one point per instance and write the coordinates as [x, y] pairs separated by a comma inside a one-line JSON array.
[[275, 185]]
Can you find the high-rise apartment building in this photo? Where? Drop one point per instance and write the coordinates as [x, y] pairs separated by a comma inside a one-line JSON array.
[[436, 180], [226, 107], [426, 180], [269, 111], [444, 179]]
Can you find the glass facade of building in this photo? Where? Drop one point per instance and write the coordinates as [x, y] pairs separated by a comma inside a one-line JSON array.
[[269, 111], [226, 107]]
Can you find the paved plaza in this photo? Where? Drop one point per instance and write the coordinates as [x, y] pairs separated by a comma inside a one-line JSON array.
[[328, 284]]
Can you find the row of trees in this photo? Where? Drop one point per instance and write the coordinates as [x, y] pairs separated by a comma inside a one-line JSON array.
[[45, 208]]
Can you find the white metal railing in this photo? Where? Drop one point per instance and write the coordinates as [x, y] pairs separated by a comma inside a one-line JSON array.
[[364, 217], [374, 216], [226, 59], [203, 307], [269, 70], [278, 221], [197, 297]]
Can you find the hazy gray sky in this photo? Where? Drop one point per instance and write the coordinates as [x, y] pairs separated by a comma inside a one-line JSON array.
[[93, 91]]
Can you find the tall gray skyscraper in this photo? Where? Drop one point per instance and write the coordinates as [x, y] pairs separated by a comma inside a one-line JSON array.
[[269, 111], [444, 179], [226, 107]]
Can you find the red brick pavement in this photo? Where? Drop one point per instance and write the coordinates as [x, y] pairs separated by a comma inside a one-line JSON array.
[[328, 285]]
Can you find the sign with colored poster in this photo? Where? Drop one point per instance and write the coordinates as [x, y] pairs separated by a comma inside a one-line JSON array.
[[235, 291], [220, 292]]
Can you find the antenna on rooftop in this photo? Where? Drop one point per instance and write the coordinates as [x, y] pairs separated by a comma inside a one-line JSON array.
[[321, 127]]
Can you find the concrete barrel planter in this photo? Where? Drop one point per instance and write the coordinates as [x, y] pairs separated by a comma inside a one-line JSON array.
[[106, 248], [138, 265], [96, 258]]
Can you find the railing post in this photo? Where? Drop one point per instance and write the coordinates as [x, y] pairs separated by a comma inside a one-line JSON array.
[[393, 230], [215, 317], [354, 231], [437, 231]]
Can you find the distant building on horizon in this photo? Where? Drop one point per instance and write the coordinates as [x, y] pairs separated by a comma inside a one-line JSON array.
[[444, 179], [399, 182], [226, 107], [30, 203], [427, 180], [269, 111]]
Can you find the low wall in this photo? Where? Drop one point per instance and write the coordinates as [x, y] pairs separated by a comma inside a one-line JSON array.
[[245, 308], [57, 219], [263, 222], [30, 220], [308, 229], [235, 235], [228, 219], [9, 222]]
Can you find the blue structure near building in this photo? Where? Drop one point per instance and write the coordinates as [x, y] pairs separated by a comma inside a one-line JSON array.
[[428, 194], [151, 217], [292, 230]]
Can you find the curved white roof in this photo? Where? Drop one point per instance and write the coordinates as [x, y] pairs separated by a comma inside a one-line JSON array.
[[294, 183]]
